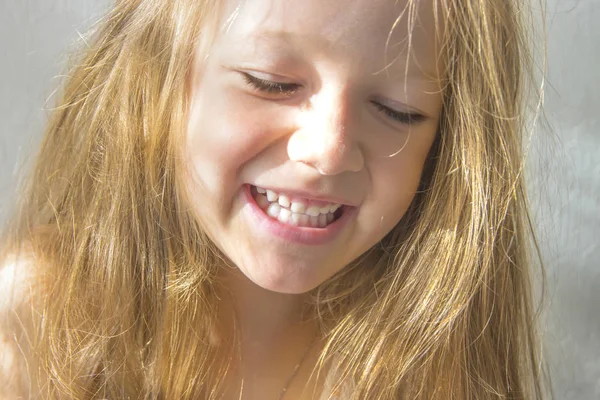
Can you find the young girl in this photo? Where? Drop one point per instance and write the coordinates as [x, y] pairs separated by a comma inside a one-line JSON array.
[[279, 199]]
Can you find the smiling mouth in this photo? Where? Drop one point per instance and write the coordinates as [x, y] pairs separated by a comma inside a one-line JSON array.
[[296, 212]]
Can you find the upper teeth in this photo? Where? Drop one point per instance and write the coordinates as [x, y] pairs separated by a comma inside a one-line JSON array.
[[297, 206]]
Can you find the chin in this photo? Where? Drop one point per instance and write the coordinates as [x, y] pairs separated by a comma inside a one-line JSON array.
[[287, 279]]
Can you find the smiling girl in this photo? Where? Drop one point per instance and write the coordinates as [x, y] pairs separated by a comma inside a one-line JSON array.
[[268, 199]]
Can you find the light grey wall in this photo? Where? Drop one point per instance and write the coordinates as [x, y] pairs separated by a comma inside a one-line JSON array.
[[34, 35], [568, 215]]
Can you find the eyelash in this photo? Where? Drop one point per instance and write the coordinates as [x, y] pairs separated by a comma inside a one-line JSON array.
[[270, 86], [289, 89], [402, 117]]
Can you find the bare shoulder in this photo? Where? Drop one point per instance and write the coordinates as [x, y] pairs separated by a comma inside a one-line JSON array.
[[18, 311]]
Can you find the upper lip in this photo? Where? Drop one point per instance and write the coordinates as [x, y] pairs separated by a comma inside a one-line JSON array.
[[307, 194]]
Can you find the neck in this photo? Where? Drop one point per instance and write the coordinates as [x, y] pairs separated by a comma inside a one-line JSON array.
[[258, 314], [274, 333]]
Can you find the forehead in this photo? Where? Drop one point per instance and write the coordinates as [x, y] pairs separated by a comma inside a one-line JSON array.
[[373, 33]]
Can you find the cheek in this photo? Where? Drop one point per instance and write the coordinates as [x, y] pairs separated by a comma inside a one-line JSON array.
[[224, 132], [396, 180], [227, 128]]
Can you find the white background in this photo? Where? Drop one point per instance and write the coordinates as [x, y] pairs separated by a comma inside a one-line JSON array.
[[36, 35]]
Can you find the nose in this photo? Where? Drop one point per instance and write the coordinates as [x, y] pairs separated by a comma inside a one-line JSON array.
[[326, 135]]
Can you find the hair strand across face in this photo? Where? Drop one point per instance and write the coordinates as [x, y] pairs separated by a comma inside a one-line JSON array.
[[440, 308]]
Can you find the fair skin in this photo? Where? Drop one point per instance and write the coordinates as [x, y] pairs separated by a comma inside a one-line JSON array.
[[302, 98], [334, 129]]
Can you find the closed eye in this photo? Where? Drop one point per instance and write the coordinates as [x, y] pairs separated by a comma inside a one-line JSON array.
[[288, 89], [402, 117], [270, 87]]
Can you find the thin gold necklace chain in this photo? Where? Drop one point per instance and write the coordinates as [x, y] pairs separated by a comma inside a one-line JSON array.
[[296, 368]]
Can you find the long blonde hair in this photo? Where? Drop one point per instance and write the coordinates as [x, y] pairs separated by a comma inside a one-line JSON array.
[[445, 311]]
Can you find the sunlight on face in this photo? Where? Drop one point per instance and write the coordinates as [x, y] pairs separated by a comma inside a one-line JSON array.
[[302, 98]]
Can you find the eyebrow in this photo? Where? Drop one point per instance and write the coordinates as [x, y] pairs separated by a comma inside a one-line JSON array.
[[292, 39], [298, 41]]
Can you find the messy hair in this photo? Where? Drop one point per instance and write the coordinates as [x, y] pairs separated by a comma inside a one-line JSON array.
[[445, 309]]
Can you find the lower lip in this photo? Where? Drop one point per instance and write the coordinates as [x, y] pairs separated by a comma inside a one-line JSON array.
[[291, 233]]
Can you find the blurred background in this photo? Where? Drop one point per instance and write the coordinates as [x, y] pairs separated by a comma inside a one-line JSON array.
[[37, 35]]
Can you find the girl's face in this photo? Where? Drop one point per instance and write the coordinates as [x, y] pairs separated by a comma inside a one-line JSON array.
[[317, 102]]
